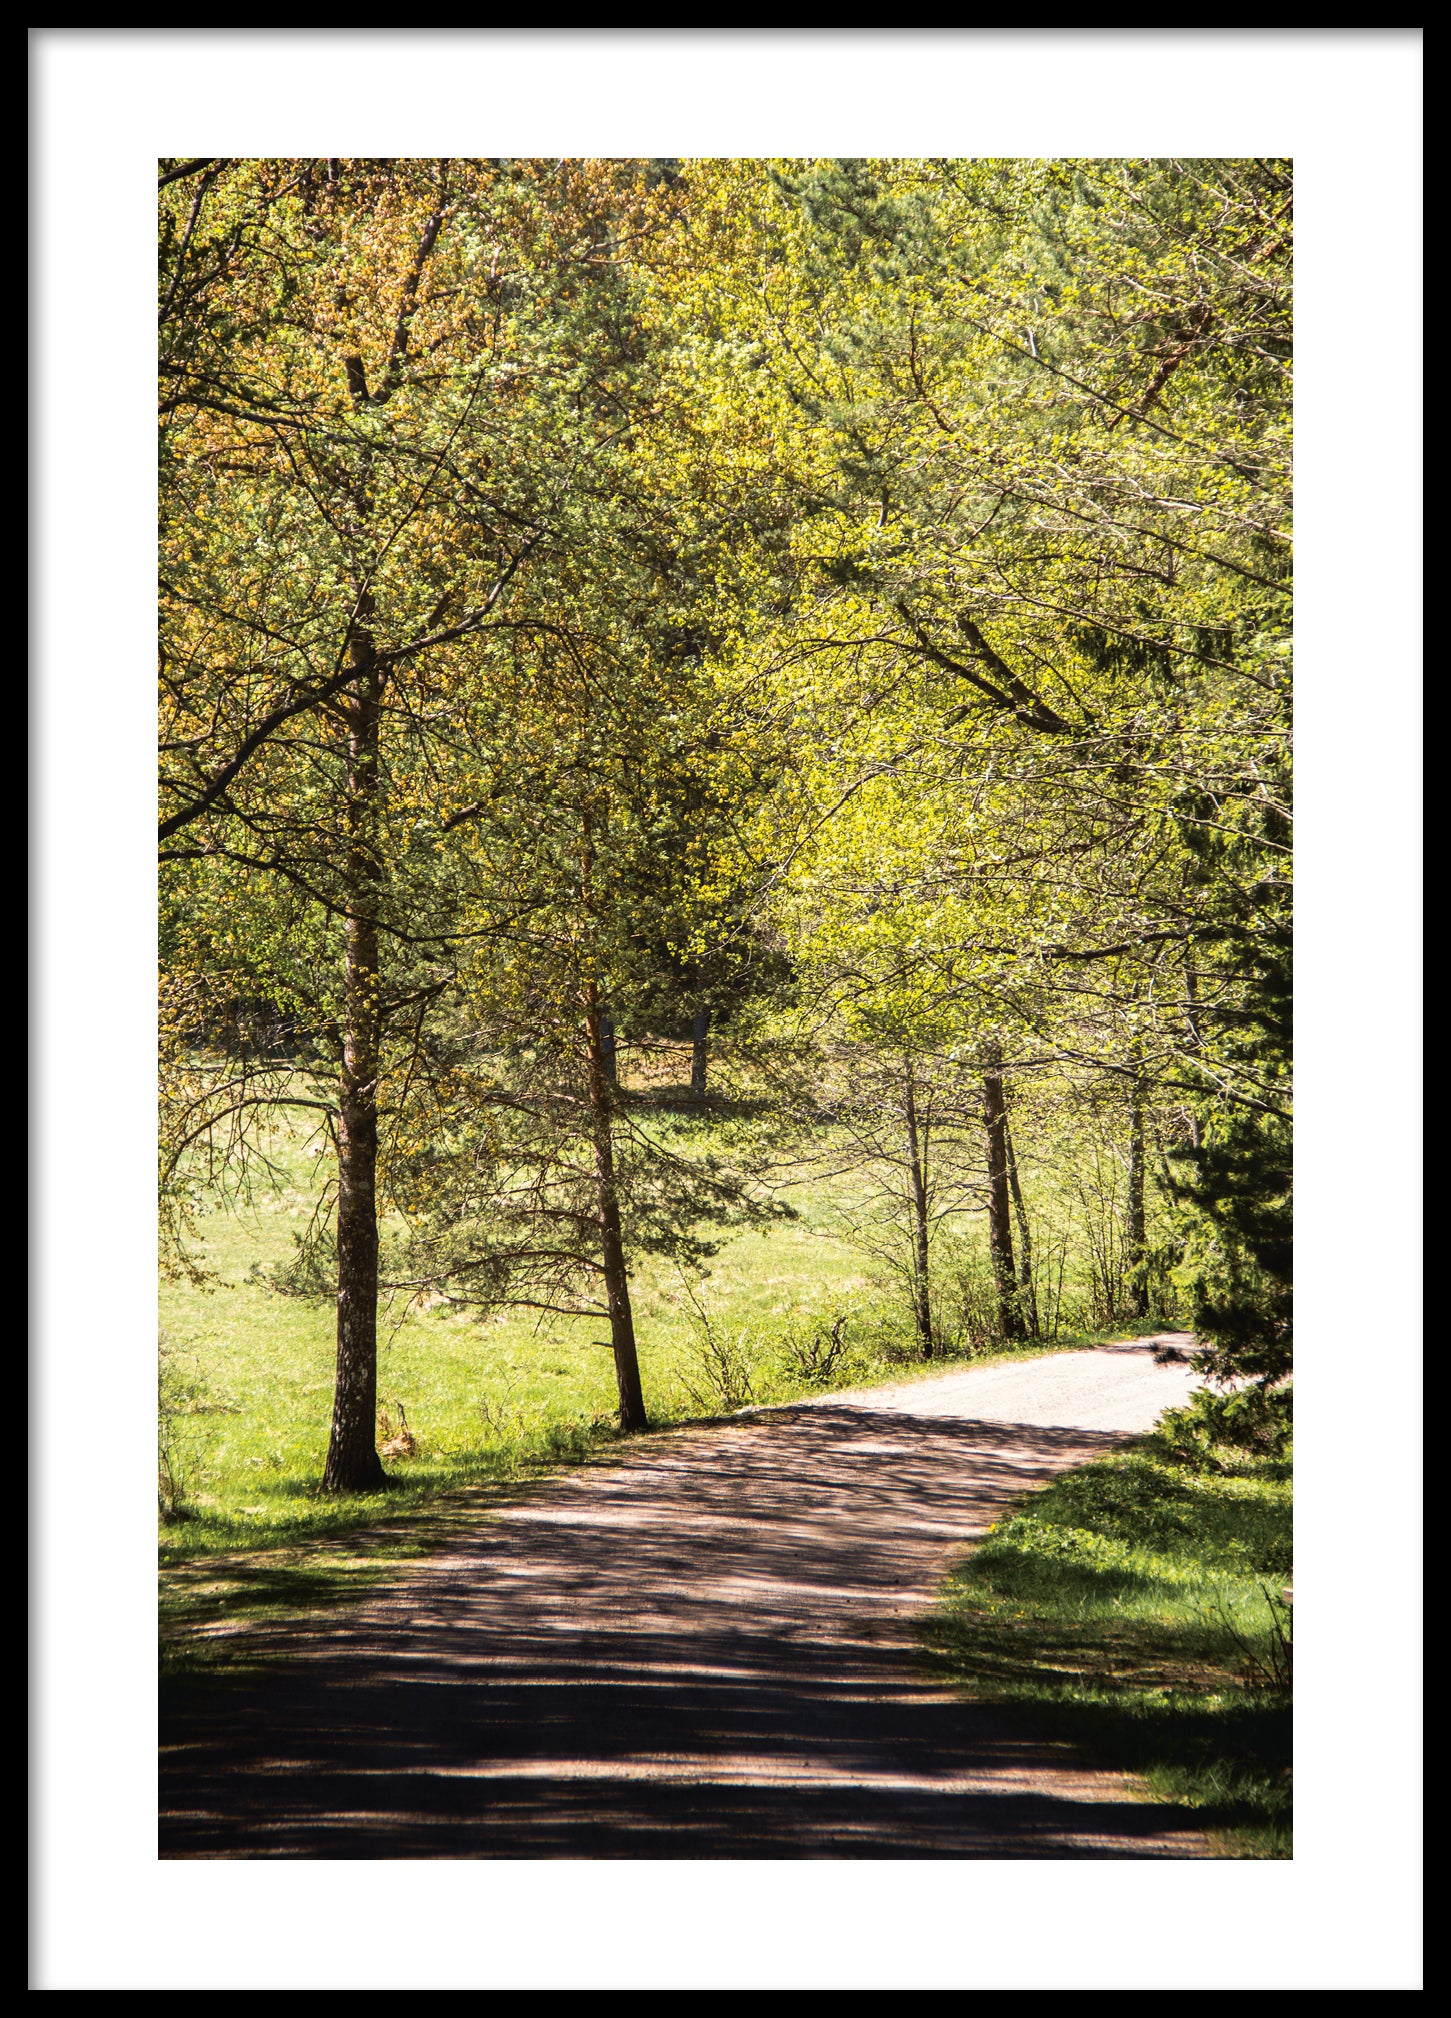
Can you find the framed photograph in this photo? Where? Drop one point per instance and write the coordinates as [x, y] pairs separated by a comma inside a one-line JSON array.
[[714, 1001]]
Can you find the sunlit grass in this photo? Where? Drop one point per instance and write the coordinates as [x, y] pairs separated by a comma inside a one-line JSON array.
[[484, 1399], [1134, 1607]]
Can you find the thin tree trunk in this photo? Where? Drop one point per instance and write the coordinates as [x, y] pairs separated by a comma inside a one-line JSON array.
[[1027, 1297], [999, 1211], [917, 1166], [600, 1081], [612, 1248], [1136, 1239], [608, 1049], [353, 1464], [698, 1031]]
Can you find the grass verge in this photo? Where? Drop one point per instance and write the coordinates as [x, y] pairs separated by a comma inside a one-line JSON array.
[[1136, 1609]]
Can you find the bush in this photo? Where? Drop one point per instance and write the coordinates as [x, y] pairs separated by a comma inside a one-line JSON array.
[[1257, 1420], [816, 1351], [722, 1373]]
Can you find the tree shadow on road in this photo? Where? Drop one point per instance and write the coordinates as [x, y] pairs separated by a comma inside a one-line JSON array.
[[707, 1650]]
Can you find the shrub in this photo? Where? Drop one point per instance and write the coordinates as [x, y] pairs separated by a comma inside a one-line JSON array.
[[1256, 1420], [817, 1350]]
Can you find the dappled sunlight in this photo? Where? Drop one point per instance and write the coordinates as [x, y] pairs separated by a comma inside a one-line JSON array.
[[706, 1650]]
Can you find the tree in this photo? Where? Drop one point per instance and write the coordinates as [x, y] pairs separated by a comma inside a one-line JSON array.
[[416, 340], [1236, 1166], [1041, 425], [534, 1172]]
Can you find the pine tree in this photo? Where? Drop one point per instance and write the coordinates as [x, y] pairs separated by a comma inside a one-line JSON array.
[[1238, 1167]]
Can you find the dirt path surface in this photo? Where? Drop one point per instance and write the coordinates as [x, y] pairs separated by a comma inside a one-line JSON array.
[[704, 1651]]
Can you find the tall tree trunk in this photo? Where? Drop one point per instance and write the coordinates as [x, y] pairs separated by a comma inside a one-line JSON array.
[[612, 1247], [353, 1464], [917, 1166], [608, 1052], [999, 1211], [1026, 1296], [698, 1030], [1136, 1239]]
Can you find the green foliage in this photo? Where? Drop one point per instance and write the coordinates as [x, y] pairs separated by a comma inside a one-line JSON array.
[[1237, 1268], [1034, 644], [1222, 1428], [1239, 1262]]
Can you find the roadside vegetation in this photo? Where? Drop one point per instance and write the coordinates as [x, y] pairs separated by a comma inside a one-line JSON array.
[[1140, 1608]]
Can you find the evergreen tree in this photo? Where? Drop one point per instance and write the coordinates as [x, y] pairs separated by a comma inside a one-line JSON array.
[[1237, 1169]]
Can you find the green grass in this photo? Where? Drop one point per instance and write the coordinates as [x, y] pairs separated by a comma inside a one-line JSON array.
[[203, 1604], [488, 1402], [250, 1371], [1127, 1609]]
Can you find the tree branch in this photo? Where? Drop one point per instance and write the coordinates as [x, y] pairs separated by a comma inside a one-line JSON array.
[[1012, 694]]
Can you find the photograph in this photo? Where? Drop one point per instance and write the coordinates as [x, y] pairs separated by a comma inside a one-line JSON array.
[[725, 804]]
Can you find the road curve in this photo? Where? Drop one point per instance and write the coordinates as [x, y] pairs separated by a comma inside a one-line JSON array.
[[704, 1651]]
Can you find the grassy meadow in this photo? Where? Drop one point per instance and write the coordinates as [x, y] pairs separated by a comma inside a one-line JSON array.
[[247, 1371]]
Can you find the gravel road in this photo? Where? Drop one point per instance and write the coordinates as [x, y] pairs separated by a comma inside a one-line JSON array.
[[703, 1651]]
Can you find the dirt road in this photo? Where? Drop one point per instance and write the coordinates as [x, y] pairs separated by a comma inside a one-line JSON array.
[[702, 1652]]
